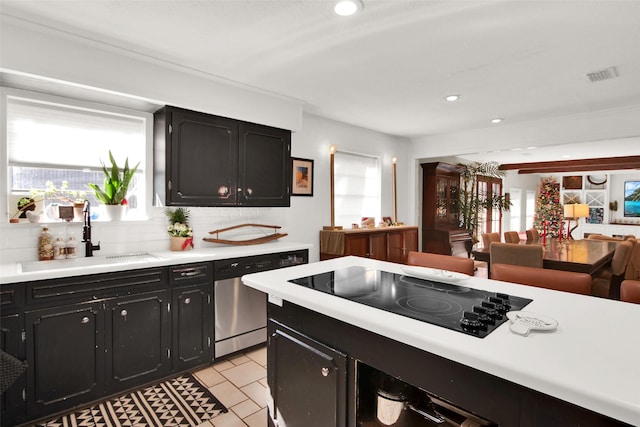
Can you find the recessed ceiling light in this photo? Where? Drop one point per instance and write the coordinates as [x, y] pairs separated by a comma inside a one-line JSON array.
[[452, 98], [348, 7], [496, 120], [531, 148]]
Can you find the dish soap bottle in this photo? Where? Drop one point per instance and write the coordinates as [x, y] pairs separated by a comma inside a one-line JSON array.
[[45, 245]]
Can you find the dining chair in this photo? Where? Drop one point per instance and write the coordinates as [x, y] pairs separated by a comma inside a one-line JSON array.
[[515, 254], [607, 282], [603, 237], [511, 237], [630, 291], [632, 271], [558, 280], [533, 236], [488, 238], [443, 262]]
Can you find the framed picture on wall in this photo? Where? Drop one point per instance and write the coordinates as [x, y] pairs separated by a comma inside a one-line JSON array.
[[302, 180], [572, 182], [632, 198]]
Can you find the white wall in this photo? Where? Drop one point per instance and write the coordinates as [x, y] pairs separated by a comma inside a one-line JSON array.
[[46, 54], [524, 182], [308, 215]]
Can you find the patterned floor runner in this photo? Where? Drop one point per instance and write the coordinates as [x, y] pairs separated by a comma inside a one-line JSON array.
[[178, 402]]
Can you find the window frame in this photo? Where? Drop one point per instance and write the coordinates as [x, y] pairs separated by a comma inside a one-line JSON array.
[[6, 93]]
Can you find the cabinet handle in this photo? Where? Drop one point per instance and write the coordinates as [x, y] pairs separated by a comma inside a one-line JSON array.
[[190, 273], [187, 300], [123, 313], [84, 320], [249, 191], [325, 372]]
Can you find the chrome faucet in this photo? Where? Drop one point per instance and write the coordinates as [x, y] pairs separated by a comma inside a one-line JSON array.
[[86, 230]]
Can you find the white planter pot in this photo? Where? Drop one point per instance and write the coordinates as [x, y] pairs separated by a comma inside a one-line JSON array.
[[115, 212]]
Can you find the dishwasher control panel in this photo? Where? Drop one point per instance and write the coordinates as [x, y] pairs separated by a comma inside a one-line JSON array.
[[236, 267]]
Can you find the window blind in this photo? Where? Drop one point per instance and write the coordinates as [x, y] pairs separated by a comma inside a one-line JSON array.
[[357, 188], [42, 134]]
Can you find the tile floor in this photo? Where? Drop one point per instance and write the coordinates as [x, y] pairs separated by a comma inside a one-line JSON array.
[[240, 383]]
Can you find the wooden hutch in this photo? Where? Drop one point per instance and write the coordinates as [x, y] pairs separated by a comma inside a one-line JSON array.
[[441, 231]]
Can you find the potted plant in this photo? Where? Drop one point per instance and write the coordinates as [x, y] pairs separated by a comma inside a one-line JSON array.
[[179, 230], [473, 201], [116, 185]]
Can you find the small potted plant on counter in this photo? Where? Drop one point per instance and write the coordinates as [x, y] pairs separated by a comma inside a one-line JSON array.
[[116, 185], [179, 230]]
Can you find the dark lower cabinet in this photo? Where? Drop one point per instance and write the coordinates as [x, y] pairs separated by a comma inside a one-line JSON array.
[[192, 326], [301, 345], [65, 355], [88, 337], [307, 379], [11, 402], [138, 339]]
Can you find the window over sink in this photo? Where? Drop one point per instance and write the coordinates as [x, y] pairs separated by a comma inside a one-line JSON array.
[[55, 146]]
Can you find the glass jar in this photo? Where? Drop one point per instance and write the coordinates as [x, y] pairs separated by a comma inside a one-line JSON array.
[[59, 249], [45, 245], [72, 247]]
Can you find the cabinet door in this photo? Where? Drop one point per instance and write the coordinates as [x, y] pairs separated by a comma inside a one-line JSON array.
[[192, 326], [307, 380], [356, 245], [11, 404], [65, 354], [378, 246], [265, 166], [203, 159], [397, 251], [138, 339]]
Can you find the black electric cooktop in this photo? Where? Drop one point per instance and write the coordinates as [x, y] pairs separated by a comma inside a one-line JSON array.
[[460, 308]]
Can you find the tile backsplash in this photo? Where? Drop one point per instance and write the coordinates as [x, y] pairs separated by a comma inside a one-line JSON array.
[[19, 241]]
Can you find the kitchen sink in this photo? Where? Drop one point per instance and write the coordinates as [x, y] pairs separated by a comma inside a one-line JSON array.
[[130, 258]]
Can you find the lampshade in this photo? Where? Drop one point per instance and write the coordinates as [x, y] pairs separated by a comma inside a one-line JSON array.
[[568, 211], [581, 211]]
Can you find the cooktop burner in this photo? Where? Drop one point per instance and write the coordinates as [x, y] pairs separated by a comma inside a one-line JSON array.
[[460, 308]]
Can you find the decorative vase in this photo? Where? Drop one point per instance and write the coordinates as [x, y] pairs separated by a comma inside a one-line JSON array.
[[181, 243], [115, 212]]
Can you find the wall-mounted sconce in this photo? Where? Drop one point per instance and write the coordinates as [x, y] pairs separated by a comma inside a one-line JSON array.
[[332, 152]]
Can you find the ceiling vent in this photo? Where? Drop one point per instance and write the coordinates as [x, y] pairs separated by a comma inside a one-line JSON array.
[[598, 76]]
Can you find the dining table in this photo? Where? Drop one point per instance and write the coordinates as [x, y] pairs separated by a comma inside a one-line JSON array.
[[583, 256]]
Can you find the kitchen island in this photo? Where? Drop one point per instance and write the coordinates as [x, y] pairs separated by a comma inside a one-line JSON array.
[[586, 367]]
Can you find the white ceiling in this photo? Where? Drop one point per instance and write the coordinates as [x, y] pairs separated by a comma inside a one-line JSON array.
[[389, 67]]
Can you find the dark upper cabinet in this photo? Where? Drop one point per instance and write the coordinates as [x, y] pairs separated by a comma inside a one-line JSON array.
[[217, 161], [265, 166]]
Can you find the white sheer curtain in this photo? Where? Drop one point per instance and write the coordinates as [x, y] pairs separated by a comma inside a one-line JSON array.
[[357, 188]]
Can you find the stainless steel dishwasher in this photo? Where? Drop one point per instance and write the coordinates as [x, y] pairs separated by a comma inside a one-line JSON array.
[[241, 311]]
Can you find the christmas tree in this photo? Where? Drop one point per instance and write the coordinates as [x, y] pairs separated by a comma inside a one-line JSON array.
[[548, 208]]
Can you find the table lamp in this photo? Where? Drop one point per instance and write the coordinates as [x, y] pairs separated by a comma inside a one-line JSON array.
[[575, 211]]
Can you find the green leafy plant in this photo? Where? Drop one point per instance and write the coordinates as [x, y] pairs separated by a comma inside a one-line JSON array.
[[473, 201], [179, 222], [116, 183]]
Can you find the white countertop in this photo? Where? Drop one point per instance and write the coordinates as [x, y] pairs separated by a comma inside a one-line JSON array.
[[592, 359], [12, 272]]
